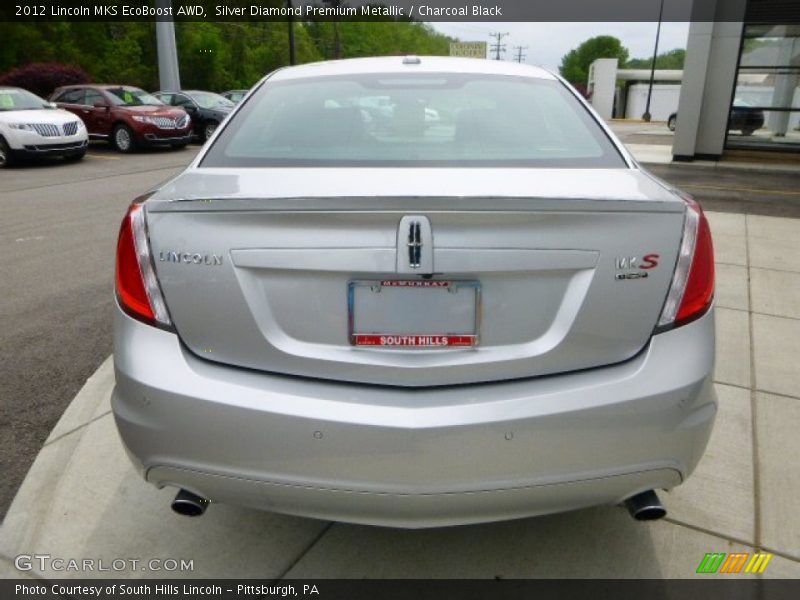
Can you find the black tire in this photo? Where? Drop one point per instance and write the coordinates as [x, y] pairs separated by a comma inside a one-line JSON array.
[[122, 138], [747, 131], [672, 123], [208, 129], [5, 155]]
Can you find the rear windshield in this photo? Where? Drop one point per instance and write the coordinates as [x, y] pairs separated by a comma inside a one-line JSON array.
[[211, 101], [435, 120]]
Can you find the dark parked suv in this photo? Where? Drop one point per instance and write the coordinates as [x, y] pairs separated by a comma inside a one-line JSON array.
[[126, 116], [235, 96], [207, 109]]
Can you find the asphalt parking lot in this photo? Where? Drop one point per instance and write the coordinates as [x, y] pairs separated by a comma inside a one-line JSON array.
[[58, 227], [58, 230]]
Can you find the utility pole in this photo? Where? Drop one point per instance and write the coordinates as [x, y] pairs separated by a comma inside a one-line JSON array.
[[337, 38], [520, 56], [290, 20], [498, 47], [169, 78], [647, 116]]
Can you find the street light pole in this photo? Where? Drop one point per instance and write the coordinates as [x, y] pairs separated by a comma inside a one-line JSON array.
[[647, 116]]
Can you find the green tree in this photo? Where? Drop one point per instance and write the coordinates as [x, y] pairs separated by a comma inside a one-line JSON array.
[[672, 59], [378, 38], [212, 55], [575, 63]]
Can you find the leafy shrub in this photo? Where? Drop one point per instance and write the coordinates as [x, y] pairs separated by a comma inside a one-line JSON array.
[[582, 89], [42, 78]]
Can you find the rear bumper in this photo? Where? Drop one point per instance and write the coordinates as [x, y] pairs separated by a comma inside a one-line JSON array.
[[414, 457]]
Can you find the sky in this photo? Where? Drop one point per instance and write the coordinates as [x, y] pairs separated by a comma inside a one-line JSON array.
[[548, 42]]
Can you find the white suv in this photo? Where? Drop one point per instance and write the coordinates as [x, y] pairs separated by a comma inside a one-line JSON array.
[[32, 127]]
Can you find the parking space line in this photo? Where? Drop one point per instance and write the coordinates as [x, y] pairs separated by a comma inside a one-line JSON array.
[[103, 156]]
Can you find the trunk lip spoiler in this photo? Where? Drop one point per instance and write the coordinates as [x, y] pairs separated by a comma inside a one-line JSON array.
[[404, 204]]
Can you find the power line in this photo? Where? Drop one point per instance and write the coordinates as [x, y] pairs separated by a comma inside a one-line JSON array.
[[497, 48], [520, 56]]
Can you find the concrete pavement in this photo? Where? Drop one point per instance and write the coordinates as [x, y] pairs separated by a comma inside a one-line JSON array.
[[651, 144], [659, 154], [82, 499]]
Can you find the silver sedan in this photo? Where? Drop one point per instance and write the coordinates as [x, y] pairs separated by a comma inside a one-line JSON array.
[[345, 308]]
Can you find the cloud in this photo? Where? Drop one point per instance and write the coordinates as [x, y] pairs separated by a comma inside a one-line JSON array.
[[548, 42]]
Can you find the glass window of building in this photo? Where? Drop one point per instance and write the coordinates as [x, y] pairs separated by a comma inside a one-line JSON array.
[[765, 111]]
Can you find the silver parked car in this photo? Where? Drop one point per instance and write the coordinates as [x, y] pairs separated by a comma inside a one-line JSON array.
[[411, 323]]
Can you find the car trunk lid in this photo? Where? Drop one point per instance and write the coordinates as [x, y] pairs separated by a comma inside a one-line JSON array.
[[552, 274]]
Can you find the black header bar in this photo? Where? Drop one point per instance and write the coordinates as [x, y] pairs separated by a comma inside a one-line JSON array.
[[711, 588], [367, 10]]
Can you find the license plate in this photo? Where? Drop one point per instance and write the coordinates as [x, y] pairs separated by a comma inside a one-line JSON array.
[[414, 313]]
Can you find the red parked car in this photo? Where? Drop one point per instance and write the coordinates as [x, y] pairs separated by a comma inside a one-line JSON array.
[[126, 116]]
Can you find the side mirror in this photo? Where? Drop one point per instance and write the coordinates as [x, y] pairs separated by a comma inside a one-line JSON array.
[[51, 105]]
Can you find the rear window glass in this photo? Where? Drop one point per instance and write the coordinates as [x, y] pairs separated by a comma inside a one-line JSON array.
[[431, 120], [211, 101], [72, 96]]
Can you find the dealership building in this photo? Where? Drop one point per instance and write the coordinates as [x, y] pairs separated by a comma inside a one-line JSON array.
[[739, 90]]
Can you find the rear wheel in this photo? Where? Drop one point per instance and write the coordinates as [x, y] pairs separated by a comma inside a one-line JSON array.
[[5, 154], [747, 131], [122, 137], [209, 130], [672, 122]]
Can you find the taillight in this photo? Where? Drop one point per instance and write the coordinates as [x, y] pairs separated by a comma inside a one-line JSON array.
[[692, 287], [137, 287]]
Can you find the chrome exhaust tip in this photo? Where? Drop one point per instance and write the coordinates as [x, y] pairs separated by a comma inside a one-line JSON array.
[[188, 504], [646, 506]]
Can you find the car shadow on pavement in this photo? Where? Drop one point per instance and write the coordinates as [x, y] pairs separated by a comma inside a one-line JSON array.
[[592, 543], [230, 541]]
